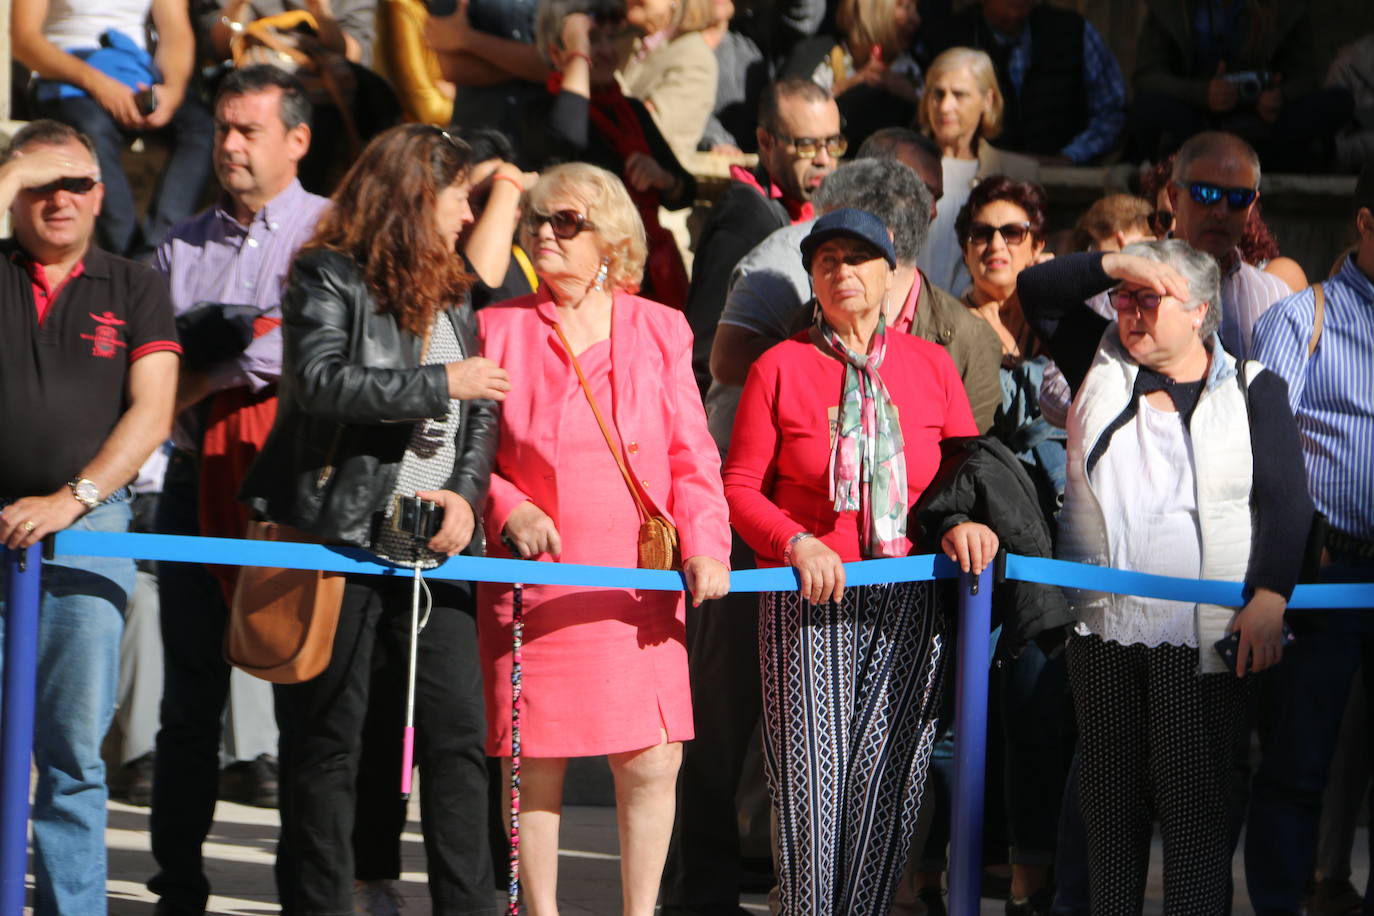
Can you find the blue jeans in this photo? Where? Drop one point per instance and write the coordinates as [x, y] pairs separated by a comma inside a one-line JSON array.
[[1309, 694], [80, 622]]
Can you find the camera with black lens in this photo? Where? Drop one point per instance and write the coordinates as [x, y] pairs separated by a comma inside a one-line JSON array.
[[1249, 84], [417, 518]]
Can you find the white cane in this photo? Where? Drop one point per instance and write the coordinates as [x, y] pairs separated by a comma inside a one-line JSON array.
[[408, 740]]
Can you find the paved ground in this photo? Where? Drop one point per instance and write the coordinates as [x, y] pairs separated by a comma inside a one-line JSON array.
[[240, 853]]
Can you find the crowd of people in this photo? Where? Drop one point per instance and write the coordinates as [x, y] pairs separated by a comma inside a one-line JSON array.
[[482, 337]]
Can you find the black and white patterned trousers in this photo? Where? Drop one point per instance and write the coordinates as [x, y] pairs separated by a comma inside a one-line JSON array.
[[850, 697], [1156, 742]]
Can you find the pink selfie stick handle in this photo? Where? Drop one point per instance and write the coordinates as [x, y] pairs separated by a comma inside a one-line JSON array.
[[407, 759]]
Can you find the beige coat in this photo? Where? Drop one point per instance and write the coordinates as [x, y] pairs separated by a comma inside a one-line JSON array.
[[677, 80]]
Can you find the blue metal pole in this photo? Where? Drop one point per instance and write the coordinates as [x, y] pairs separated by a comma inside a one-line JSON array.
[[22, 595], [970, 744]]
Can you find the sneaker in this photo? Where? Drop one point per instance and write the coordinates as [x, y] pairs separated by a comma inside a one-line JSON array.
[[137, 779], [250, 782], [1037, 904], [376, 898], [1335, 897]]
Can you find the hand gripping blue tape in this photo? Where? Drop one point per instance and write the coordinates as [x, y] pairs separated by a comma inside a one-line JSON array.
[[234, 552]]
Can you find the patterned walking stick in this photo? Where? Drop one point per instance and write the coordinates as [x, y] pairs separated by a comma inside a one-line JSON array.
[[517, 635]]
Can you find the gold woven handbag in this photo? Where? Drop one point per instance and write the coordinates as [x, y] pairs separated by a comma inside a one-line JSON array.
[[658, 542]]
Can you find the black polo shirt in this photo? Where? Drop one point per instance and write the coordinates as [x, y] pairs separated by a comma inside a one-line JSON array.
[[62, 383]]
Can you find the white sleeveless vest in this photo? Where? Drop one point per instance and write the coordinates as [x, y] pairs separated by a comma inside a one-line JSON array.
[[1223, 470]]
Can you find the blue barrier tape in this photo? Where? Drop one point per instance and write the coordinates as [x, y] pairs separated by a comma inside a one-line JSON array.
[[1124, 582], [234, 552]]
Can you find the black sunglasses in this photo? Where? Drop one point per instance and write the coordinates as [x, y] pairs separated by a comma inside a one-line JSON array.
[[1012, 233], [1207, 194], [1161, 221], [70, 185], [565, 223], [1126, 299]]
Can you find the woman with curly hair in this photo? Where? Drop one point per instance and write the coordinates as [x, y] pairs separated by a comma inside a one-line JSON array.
[[382, 397]]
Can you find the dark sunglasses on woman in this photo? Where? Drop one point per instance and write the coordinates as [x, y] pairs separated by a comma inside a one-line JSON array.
[[1207, 194], [1126, 299], [1012, 233], [565, 223], [70, 185]]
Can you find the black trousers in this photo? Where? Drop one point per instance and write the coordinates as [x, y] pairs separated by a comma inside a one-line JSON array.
[[322, 723], [1155, 742], [702, 871], [195, 686]]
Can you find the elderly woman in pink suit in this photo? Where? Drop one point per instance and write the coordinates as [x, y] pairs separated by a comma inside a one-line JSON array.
[[605, 669]]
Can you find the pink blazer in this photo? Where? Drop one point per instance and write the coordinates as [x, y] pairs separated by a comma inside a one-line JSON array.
[[657, 412]]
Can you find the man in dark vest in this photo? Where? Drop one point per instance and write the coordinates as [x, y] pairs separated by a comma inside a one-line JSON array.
[[1065, 96]]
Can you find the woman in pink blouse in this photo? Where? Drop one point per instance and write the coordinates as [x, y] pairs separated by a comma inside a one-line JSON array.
[[837, 434], [605, 669]]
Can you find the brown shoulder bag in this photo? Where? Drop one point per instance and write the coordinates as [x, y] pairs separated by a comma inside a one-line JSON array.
[[658, 543]]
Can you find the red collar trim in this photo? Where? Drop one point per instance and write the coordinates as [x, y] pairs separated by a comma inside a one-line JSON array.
[[797, 211]]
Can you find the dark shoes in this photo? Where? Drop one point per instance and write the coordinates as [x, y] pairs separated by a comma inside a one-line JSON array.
[[1037, 904], [134, 783], [933, 899], [1335, 897], [250, 782]]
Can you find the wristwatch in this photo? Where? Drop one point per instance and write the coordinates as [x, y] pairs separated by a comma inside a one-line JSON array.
[[85, 491]]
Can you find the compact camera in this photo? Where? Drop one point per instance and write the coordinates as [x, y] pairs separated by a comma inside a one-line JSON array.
[[1249, 84], [416, 517]]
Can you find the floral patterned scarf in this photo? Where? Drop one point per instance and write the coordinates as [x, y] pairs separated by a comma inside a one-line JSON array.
[[867, 462]]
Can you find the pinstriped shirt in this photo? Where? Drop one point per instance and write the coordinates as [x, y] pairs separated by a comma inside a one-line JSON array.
[[1246, 293], [1332, 394]]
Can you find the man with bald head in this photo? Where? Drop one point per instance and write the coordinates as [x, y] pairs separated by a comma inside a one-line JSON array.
[[1214, 186]]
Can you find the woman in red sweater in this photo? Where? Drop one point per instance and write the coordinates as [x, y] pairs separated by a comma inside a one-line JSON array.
[[837, 434]]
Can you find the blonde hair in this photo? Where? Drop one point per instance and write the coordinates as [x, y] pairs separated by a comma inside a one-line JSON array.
[[979, 66], [866, 23], [692, 16], [612, 215]]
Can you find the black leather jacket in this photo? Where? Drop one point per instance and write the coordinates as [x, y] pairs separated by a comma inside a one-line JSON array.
[[351, 385]]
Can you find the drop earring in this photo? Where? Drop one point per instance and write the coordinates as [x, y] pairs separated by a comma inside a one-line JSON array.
[[599, 282]]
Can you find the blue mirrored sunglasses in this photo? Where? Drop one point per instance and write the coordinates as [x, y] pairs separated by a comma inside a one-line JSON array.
[[1207, 194]]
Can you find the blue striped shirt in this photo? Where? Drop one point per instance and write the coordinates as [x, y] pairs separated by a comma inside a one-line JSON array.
[[1332, 394]]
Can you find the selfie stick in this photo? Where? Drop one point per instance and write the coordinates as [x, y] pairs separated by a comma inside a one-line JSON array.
[[517, 635], [408, 741]]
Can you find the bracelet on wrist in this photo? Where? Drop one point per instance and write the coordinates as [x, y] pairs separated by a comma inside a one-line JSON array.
[[582, 54], [232, 25], [792, 543], [519, 186]]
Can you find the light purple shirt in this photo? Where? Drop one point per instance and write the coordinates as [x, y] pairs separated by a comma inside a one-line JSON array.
[[211, 257]]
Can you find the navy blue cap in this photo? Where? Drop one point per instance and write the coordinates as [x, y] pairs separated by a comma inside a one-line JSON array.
[[851, 223]]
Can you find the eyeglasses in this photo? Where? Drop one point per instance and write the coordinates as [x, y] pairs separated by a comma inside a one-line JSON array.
[[565, 223], [1126, 299], [981, 234], [1208, 194], [1161, 221], [810, 147], [70, 185]]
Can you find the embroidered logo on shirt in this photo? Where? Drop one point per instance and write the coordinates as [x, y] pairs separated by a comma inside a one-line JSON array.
[[105, 341]]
